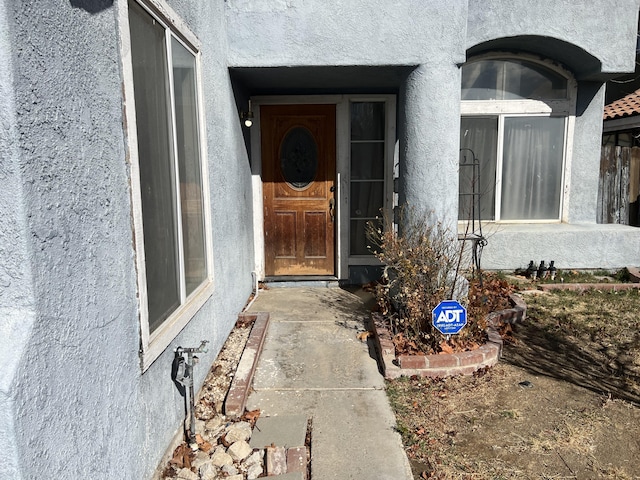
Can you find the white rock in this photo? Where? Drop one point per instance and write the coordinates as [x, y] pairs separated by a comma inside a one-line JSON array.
[[254, 459], [208, 471], [230, 470], [220, 457], [239, 451], [235, 477], [186, 474], [201, 458], [254, 471], [237, 432], [214, 427], [200, 426]]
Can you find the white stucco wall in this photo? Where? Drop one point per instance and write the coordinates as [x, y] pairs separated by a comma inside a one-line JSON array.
[[16, 294], [571, 246], [345, 32], [73, 399], [586, 24]]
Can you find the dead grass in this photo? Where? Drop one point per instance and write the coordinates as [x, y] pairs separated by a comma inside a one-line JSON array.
[[561, 404]]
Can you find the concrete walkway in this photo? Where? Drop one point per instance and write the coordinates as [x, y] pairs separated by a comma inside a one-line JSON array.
[[313, 364]]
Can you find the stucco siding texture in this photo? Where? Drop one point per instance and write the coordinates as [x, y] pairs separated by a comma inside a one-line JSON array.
[[346, 32], [77, 402], [74, 388], [16, 294], [429, 142], [581, 192], [585, 24], [575, 246]]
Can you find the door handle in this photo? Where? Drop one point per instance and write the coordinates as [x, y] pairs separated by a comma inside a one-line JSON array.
[[332, 209]]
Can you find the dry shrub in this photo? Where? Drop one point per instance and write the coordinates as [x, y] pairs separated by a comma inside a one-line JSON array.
[[422, 268]]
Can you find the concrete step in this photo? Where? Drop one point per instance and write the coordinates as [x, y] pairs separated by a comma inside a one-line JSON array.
[[282, 431], [283, 438]]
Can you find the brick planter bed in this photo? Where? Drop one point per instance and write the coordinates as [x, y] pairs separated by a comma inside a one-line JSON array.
[[444, 365]]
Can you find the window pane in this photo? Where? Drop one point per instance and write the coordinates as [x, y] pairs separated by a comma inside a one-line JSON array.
[[479, 137], [528, 80], [511, 80], [367, 161], [480, 80], [358, 240], [299, 158], [188, 153], [150, 76], [366, 199], [367, 121], [532, 168]]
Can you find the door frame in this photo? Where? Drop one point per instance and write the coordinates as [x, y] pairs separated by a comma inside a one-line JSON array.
[[343, 154]]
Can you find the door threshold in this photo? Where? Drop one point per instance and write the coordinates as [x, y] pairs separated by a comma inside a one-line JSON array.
[[278, 281]]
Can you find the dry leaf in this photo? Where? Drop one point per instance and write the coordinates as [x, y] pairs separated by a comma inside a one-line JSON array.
[[182, 456], [445, 348], [205, 446], [251, 416], [362, 336], [224, 441]]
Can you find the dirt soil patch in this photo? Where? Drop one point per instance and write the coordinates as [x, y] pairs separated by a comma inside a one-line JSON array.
[[562, 403]]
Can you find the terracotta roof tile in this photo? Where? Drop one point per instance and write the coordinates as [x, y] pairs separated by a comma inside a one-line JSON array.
[[627, 106]]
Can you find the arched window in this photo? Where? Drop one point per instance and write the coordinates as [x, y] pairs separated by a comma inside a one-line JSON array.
[[514, 118]]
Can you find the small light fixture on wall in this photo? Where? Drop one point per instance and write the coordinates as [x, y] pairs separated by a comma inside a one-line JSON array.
[[247, 117]]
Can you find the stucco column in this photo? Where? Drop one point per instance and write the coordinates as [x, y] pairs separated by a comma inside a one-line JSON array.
[[583, 169], [429, 141]]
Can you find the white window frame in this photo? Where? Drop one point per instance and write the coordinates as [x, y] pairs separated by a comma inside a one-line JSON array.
[[152, 344], [530, 108]]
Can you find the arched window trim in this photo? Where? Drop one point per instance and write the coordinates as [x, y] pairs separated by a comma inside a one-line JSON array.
[[552, 106], [529, 107]]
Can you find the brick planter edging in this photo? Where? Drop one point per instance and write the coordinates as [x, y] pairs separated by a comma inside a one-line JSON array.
[[236, 399], [445, 365], [582, 287]]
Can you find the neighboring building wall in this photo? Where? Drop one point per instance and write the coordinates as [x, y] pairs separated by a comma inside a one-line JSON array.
[[73, 398]]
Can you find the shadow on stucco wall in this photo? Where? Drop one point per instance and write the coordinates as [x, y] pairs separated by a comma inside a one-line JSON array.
[[91, 6], [586, 93]]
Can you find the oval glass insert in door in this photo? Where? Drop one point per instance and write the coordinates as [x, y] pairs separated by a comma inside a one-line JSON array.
[[299, 158]]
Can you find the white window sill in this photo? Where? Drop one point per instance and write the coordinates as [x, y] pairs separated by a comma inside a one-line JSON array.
[[162, 337]]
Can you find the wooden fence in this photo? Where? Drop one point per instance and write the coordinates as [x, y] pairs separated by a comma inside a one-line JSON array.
[[619, 187]]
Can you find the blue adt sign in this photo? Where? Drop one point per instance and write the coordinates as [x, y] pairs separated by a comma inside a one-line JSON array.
[[449, 317]]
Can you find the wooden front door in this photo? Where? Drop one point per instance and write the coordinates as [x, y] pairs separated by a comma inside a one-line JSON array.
[[298, 173]]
